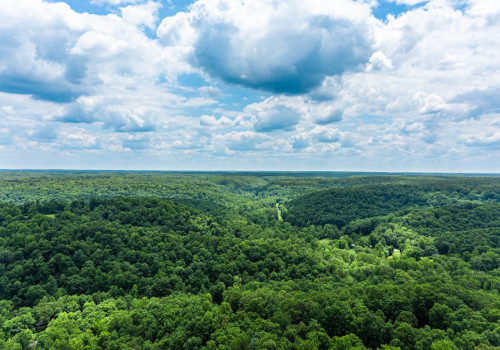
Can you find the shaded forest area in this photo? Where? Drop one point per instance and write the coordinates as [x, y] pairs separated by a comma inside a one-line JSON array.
[[133, 260]]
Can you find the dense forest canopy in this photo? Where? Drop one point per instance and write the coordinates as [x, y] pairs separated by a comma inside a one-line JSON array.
[[153, 260]]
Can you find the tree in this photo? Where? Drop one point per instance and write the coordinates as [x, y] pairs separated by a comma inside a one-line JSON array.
[[438, 316], [443, 345]]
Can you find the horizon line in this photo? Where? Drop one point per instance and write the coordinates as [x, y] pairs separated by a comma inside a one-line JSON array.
[[244, 171]]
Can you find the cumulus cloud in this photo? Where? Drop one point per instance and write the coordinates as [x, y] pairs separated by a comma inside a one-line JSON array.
[[112, 116], [129, 121], [275, 113], [480, 101], [379, 61], [326, 138], [34, 55], [280, 46], [481, 134], [245, 141], [488, 139], [53, 53], [141, 15], [430, 60], [285, 113], [329, 115], [328, 135], [77, 138], [210, 120], [278, 118], [432, 104]]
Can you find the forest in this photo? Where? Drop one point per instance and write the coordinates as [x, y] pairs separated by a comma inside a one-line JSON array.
[[221, 260]]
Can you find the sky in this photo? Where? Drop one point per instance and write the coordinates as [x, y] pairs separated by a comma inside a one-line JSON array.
[[291, 85]]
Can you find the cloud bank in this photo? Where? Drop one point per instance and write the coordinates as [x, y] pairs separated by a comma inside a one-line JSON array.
[[243, 84]]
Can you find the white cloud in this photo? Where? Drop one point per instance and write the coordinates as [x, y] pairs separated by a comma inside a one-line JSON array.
[[487, 138], [485, 9], [245, 141], [423, 86], [325, 134], [34, 58], [379, 61], [432, 104], [95, 69], [280, 46], [426, 59], [275, 114], [327, 115], [414, 127], [77, 138], [100, 45], [141, 15], [210, 120], [53, 53], [482, 133]]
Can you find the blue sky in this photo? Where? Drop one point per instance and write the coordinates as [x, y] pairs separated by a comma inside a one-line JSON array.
[[365, 85]]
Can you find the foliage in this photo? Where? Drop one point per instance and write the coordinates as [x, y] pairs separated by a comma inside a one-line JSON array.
[[202, 261]]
